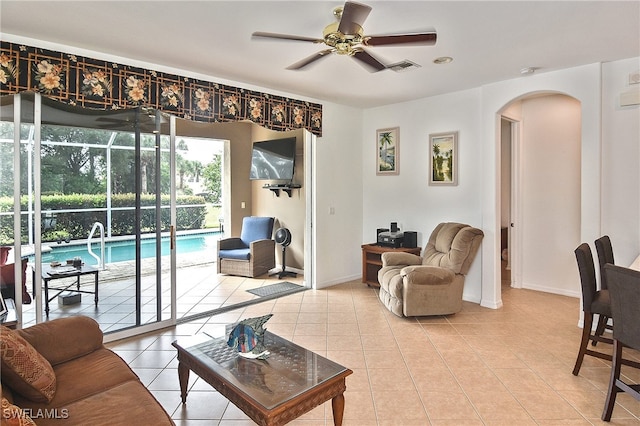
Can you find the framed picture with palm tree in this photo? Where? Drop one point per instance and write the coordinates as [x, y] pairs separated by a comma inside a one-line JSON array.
[[443, 153], [388, 151]]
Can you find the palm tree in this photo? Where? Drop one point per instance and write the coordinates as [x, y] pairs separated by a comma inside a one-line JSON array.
[[197, 169], [437, 163], [385, 140]]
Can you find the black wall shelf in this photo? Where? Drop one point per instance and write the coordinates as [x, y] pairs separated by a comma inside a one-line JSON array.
[[286, 187]]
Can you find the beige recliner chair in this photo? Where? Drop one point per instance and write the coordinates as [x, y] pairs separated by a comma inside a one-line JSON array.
[[411, 285]]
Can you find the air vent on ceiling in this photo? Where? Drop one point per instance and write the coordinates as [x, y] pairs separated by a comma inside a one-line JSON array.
[[403, 66]]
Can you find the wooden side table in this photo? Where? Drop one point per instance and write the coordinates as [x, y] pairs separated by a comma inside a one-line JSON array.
[[372, 261]]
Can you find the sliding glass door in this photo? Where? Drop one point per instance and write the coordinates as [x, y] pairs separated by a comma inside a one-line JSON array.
[[97, 205]]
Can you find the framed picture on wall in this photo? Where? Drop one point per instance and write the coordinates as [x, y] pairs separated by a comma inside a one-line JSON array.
[[443, 154], [388, 151]]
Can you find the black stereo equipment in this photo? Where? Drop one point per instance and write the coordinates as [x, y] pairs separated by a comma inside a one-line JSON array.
[[379, 231], [410, 239], [390, 239]]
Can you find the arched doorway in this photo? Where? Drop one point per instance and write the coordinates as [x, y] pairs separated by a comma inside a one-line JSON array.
[[540, 181]]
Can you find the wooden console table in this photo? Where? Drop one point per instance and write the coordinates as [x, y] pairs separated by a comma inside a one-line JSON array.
[[372, 261]]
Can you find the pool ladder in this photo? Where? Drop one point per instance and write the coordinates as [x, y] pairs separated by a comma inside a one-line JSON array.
[[100, 258]]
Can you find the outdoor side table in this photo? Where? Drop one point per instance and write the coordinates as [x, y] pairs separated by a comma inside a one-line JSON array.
[[51, 273]]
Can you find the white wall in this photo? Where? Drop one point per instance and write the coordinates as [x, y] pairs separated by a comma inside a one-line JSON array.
[[338, 181], [505, 172], [549, 167], [582, 83], [620, 162], [407, 198]]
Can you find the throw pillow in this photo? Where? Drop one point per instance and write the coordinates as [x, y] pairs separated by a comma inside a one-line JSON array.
[[24, 369], [13, 415]]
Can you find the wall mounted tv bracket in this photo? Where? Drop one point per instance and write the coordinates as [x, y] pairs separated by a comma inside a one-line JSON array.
[[277, 187]]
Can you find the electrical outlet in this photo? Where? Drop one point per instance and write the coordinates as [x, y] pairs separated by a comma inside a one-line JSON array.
[[634, 78]]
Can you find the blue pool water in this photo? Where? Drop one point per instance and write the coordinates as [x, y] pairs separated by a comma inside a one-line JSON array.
[[119, 251]]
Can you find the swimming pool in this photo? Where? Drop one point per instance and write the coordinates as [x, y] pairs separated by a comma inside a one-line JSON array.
[[123, 250]]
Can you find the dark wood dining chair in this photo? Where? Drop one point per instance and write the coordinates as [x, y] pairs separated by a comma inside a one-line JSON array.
[[624, 290], [605, 255], [594, 302]]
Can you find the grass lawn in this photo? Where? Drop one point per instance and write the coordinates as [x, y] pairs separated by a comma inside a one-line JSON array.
[[212, 216]]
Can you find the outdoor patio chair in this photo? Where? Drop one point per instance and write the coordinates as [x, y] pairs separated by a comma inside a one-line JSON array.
[[253, 253]]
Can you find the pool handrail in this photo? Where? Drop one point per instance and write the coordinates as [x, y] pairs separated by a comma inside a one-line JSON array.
[[90, 250]]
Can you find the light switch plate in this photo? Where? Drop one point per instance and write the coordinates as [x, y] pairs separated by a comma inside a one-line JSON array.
[[630, 97]]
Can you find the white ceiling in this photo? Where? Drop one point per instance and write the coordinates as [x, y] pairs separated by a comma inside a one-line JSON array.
[[489, 41]]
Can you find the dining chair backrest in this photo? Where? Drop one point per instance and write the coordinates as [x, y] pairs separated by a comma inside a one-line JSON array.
[[605, 255], [587, 271], [624, 290]]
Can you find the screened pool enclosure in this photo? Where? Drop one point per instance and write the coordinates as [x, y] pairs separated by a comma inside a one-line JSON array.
[[75, 176]]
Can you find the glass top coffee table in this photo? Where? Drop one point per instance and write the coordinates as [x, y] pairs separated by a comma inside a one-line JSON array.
[[290, 382]]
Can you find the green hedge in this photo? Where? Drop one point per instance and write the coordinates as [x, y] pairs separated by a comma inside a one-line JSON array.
[[77, 225]]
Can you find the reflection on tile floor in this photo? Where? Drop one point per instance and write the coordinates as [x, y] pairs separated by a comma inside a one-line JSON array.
[[199, 289], [510, 366]]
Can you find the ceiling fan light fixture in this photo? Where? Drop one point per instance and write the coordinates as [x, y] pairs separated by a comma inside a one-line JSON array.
[[346, 37], [443, 60]]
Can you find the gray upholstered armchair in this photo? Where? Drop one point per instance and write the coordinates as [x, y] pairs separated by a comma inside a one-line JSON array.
[[411, 285], [253, 253]]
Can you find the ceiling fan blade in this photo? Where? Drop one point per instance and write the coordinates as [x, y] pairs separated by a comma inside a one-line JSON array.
[[353, 17], [286, 37], [366, 59], [427, 38], [310, 59]]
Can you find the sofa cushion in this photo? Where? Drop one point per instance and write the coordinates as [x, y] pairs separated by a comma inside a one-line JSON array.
[[129, 403], [64, 339], [12, 415], [24, 369], [237, 254], [88, 375]]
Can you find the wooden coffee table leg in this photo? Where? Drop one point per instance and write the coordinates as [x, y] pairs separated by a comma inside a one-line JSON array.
[[337, 404], [183, 376]]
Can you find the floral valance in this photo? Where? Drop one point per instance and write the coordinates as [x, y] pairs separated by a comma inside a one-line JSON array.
[[92, 83]]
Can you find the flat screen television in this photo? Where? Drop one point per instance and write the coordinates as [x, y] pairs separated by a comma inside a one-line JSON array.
[[273, 159]]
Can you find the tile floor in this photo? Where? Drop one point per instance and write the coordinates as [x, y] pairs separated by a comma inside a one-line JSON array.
[[510, 366], [199, 290]]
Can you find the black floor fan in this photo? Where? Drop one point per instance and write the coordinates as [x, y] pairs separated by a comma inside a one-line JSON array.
[[283, 237]]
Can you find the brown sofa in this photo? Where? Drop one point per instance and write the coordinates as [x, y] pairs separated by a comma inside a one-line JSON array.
[[59, 372]]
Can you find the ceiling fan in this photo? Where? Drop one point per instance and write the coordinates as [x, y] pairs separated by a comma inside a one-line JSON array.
[[346, 37]]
